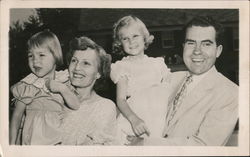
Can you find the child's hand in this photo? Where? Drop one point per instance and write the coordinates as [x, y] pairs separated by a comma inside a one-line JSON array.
[[62, 115], [55, 86], [135, 141], [139, 126]]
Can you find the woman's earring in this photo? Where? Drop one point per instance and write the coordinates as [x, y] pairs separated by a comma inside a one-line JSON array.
[[98, 76]]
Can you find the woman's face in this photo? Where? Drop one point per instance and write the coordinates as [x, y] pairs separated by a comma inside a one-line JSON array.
[[83, 68]]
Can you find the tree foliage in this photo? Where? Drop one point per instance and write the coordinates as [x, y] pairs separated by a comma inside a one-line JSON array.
[[63, 22]]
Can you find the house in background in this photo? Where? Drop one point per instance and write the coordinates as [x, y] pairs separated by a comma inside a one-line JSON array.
[[166, 26]]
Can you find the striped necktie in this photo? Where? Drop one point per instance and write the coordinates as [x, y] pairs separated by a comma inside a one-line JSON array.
[[179, 97]]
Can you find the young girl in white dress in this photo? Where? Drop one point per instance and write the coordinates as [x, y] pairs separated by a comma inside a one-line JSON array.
[[33, 100], [141, 82]]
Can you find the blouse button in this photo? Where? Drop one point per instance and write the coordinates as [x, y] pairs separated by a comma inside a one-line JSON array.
[[166, 136]]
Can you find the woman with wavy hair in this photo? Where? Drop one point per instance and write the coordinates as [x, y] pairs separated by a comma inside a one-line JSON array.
[[94, 122]]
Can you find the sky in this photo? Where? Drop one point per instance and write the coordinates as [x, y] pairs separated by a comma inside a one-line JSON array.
[[21, 14]]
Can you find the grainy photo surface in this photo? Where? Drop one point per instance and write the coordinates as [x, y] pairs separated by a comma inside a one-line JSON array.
[[124, 80]]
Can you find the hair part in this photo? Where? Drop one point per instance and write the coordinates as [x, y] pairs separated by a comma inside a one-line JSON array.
[[126, 21], [104, 59], [207, 21], [48, 40]]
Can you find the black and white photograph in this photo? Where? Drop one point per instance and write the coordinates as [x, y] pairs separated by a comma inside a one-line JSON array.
[[121, 78]]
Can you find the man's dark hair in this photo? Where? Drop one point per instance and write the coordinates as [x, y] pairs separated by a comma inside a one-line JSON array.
[[206, 21]]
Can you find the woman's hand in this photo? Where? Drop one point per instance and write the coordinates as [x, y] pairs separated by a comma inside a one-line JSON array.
[[98, 138], [139, 127], [62, 115], [135, 141], [55, 86]]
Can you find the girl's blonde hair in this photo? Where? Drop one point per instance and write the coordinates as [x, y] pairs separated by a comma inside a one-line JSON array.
[[126, 21], [49, 40]]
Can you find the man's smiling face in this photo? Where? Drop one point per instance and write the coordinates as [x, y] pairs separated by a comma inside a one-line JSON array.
[[200, 49]]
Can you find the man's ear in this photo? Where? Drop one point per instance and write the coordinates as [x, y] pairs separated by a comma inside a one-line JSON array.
[[218, 50]]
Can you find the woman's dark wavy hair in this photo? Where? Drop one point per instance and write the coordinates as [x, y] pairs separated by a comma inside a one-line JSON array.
[[104, 59], [206, 21]]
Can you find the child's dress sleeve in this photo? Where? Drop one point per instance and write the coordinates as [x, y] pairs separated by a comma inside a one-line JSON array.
[[165, 71], [24, 92], [117, 71], [30, 87]]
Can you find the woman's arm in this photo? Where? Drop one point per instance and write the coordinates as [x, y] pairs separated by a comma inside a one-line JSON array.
[[16, 121], [138, 124], [69, 96], [105, 131]]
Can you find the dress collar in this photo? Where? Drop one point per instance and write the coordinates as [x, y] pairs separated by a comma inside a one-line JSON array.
[[32, 79], [135, 58]]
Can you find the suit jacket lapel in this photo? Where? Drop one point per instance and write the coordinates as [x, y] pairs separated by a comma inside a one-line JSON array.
[[200, 91]]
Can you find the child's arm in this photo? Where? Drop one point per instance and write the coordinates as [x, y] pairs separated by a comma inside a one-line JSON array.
[[138, 124], [16, 121], [70, 98]]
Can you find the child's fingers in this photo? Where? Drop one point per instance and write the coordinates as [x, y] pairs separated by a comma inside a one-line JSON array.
[[137, 132], [62, 115], [140, 130], [146, 130], [130, 138], [47, 83]]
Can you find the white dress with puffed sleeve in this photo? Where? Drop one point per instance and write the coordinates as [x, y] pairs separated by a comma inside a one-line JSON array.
[[147, 92]]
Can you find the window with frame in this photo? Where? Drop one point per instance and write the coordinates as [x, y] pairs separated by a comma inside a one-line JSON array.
[[167, 39]]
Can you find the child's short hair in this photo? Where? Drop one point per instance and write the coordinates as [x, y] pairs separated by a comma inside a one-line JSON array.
[[49, 40], [125, 21]]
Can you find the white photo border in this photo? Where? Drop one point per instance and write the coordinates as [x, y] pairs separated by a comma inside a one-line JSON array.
[[243, 145]]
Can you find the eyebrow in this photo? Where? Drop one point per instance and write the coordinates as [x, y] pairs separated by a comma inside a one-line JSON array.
[[203, 41], [80, 60], [189, 40]]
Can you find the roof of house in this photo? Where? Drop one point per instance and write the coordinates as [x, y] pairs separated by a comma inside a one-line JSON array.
[[103, 19]]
